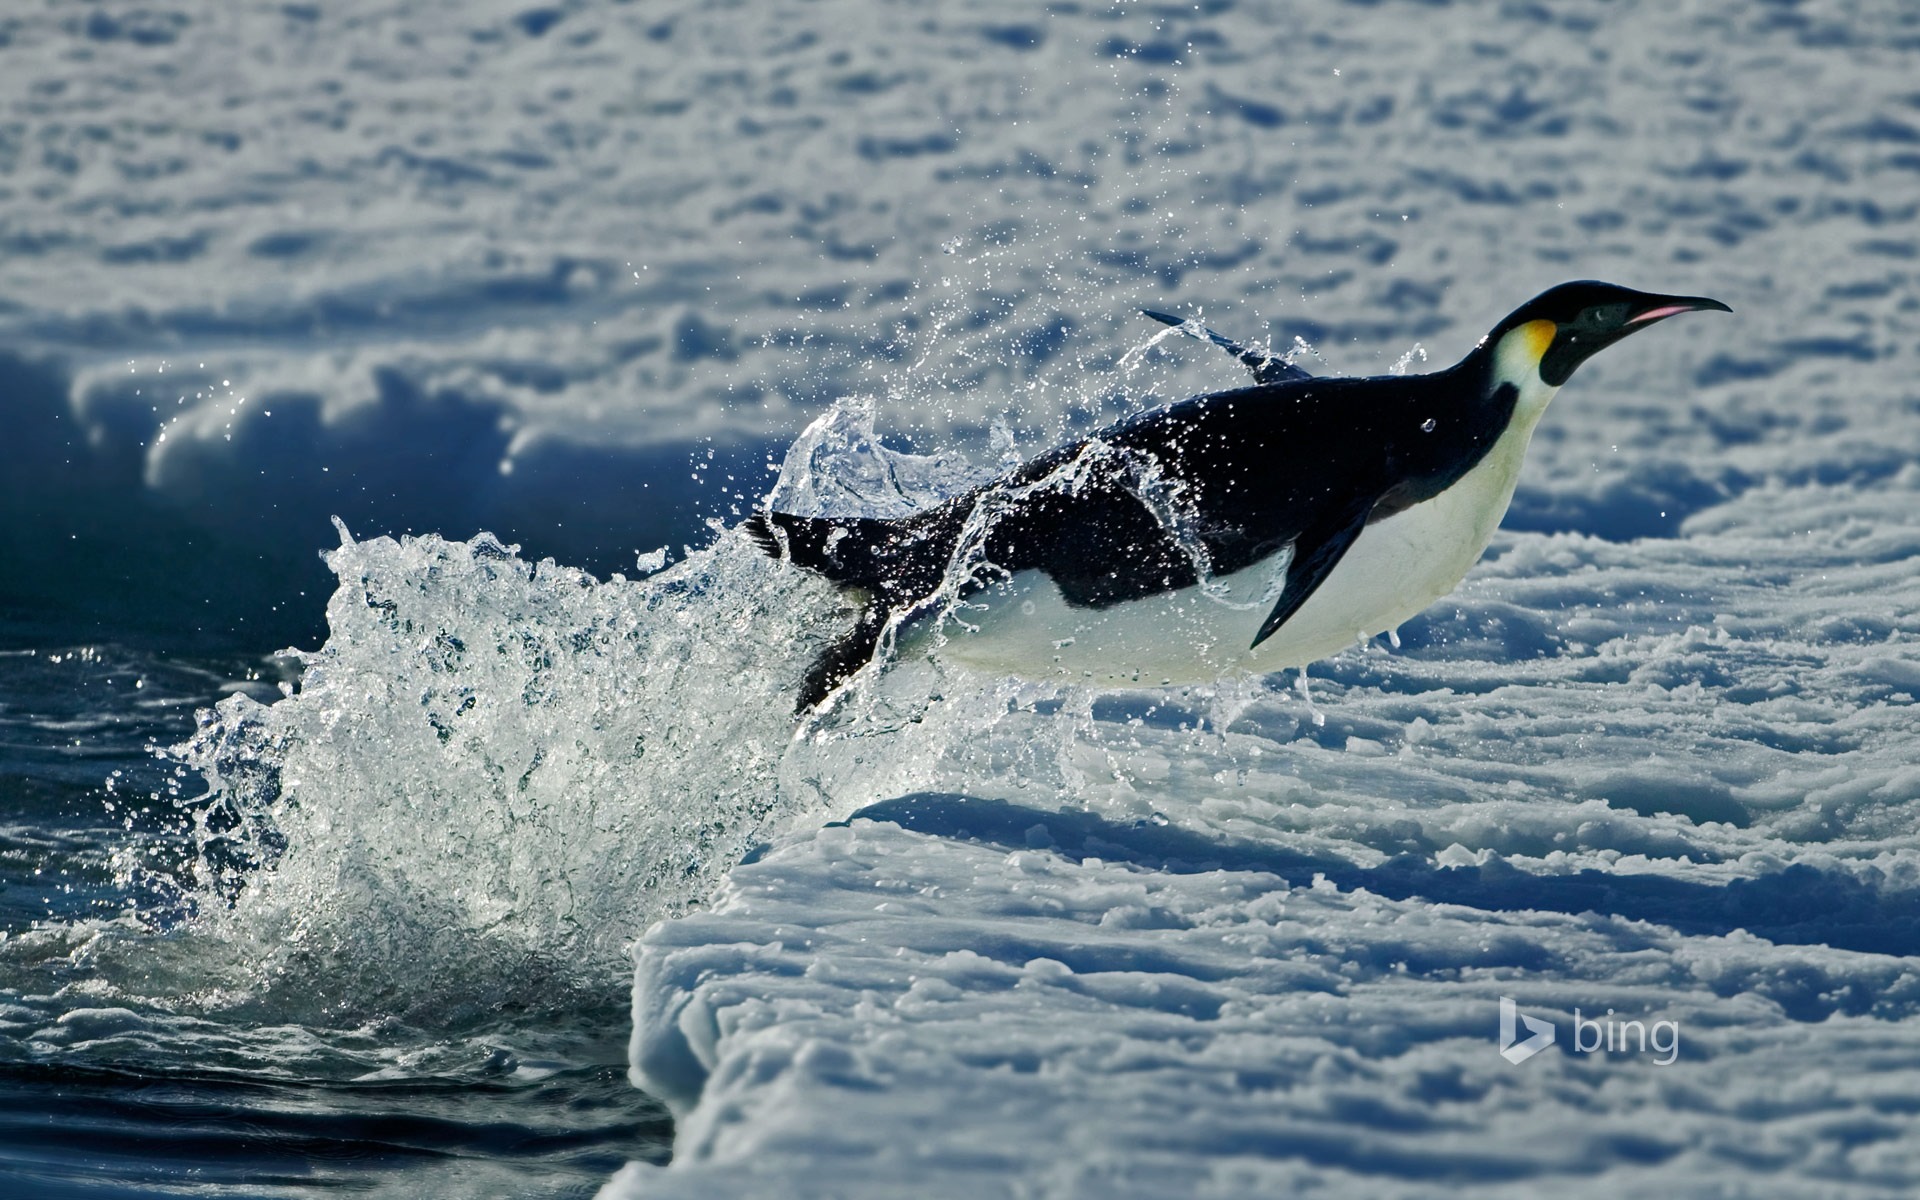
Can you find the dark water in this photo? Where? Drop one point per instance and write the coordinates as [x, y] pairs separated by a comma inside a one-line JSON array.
[[129, 1066], [141, 1131]]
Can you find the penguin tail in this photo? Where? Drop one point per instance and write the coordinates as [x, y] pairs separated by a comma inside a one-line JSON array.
[[850, 551], [893, 565], [759, 529]]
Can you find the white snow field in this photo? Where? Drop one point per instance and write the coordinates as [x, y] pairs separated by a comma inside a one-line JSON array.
[[1213, 948], [580, 273]]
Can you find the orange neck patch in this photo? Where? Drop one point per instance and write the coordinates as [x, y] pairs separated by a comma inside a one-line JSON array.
[[1536, 336]]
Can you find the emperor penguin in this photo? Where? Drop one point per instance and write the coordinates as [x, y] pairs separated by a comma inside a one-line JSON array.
[[1253, 530]]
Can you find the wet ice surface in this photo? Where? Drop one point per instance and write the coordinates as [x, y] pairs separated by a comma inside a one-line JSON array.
[[579, 274]]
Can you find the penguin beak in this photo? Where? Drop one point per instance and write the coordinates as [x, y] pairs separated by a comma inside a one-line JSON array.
[[1662, 307]]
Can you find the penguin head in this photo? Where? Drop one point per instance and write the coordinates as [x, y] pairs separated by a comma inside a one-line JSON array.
[[1564, 326]]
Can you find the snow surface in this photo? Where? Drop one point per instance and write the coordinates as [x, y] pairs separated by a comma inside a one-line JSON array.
[[578, 273], [1244, 953], [893, 1006]]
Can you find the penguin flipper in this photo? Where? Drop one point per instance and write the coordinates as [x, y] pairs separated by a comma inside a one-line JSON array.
[[1266, 368], [1315, 554]]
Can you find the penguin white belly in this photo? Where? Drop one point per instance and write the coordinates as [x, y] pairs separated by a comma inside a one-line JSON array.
[[1393, 571]]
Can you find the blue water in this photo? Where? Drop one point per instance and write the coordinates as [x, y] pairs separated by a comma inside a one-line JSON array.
[[109, 1088], [144, 1131]]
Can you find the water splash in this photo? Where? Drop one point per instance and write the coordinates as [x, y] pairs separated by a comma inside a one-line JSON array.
[[1404, 363], [496, 772], [837, 467]]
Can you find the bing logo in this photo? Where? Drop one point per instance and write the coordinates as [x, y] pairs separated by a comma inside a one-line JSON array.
[[1590, 1035]]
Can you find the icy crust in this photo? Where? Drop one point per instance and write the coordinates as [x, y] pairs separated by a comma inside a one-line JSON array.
[[874, 1007]]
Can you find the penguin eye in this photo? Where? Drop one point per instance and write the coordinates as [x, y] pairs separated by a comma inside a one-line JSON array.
[[1605, 316]]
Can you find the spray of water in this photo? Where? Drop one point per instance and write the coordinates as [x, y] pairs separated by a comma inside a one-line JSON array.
[[495, 769]]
